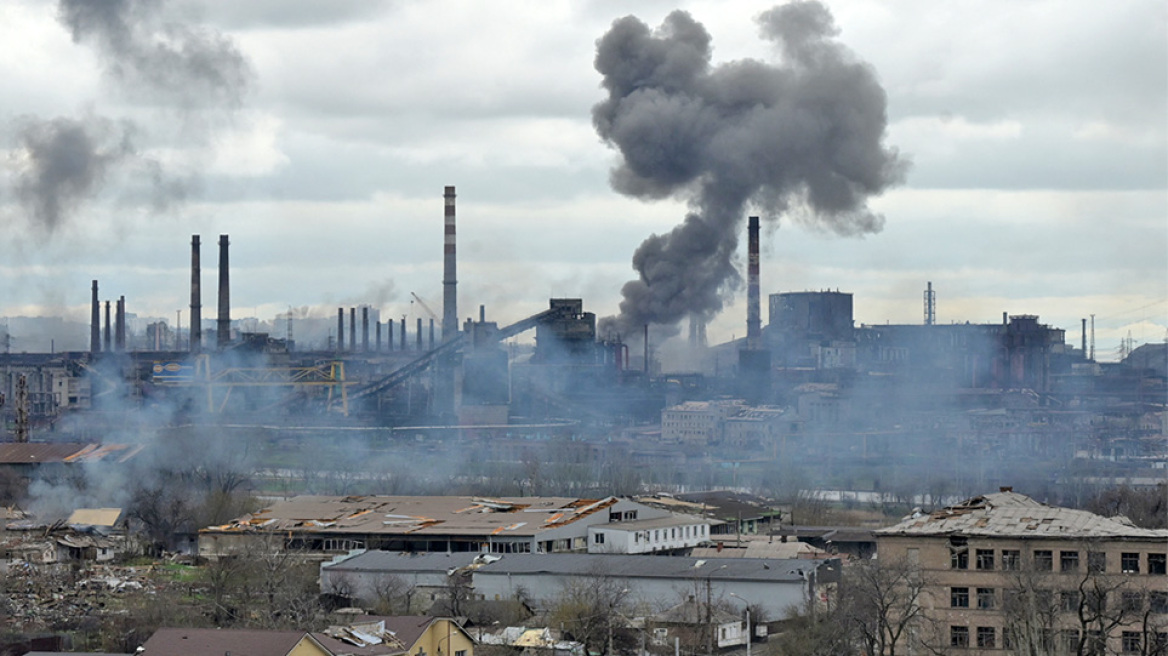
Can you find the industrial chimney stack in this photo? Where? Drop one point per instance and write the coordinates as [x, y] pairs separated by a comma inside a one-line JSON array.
[[753, 310], [224, 323], [95, 322], [196, 297], [449, 280]]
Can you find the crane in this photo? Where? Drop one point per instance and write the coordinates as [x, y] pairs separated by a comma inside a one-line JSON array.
[[425, 307]]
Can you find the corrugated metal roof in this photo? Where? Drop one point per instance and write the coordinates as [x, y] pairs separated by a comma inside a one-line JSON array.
[[1009, 514], [95, 517], [398, 561], [14, 453], [427, 515], [672, 567]]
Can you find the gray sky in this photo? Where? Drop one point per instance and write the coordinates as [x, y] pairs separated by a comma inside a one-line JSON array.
[[319, 135]]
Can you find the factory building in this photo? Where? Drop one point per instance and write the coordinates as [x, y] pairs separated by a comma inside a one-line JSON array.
[[423, 524]]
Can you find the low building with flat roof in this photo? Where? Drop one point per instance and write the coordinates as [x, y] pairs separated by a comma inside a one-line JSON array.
[[336, 524]]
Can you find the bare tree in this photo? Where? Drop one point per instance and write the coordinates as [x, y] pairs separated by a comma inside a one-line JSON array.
[[881, 602], [589, 608], [393, 595]]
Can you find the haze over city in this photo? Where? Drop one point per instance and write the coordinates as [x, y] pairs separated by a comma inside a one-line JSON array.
[[1030, 141]]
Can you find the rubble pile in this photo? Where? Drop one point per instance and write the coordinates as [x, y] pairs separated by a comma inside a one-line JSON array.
[[54, 597]]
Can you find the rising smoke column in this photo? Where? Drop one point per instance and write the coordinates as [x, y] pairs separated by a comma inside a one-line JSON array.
[[192, 73], [801, 137]]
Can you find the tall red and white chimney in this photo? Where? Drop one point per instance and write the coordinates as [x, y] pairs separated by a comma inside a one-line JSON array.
[[450, 278]]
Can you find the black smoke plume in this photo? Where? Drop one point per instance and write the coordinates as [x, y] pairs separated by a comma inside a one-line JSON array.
[[64, 162], [802, 137], [191, 71], [180, 65]]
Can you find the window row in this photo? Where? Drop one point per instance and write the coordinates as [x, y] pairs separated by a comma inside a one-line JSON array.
[[1067, 640], [1070, 601], [1044, 560], [674, 533]]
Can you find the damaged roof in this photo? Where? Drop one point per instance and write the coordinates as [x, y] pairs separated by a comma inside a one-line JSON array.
[[26, 453], [433, 515], [1009, 514]]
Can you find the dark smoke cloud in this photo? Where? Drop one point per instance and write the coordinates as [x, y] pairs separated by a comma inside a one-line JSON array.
[[197, 72], [64, 161], [802, 137], [185, 66]]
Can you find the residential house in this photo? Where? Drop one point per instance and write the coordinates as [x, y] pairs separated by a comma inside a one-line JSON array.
[[404, 635]]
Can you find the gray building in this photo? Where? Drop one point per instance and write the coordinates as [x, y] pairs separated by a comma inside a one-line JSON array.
[[663, 581]]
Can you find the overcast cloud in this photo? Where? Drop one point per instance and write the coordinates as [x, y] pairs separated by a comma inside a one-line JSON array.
[[1035, 131]]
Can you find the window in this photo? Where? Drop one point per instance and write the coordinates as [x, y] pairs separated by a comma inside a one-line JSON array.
[[985, 558], [1069, 640], [1157, 563], [1096, 644], [1069, 601], [986, 637], [598, 538], [460, 652], [1158, 602], [1132, 601], [1011, 559], [1068, 561], [959, 597], [958, 553], [1043, 561], [1129, 563], [1096, 561], [1096, 601], [985, 598], [959, 636], [1130, 642]]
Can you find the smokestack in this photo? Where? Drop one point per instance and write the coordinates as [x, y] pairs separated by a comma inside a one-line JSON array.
[[107, 336], [1084, 325], [196, 297], [646, 349], [352, 329], [449, 281], [120, 325], [753, 310], [930, 306], [431, 334], [365, 328], [419, 337], [224, 332], [404, 343], [340, 329], [379, 336], [95, 322], [389, 335]]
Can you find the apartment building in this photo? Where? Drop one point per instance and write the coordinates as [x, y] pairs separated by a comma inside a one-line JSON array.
[[1003, 573]]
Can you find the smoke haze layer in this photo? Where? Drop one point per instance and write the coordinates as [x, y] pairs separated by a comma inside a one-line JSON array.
[[802, 137]]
